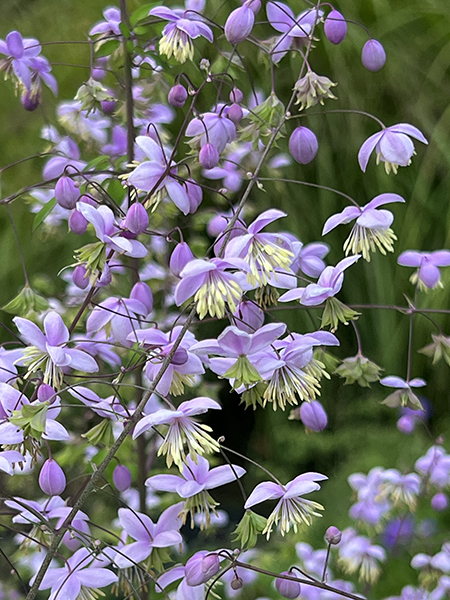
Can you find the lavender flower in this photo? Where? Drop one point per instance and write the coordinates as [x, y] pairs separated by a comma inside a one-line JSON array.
[[49, 351], [373, 56], [372, 228], [404, 396], [265, 253], [211, 284], [119, 317], [292, 509], [8, 458], [148, 535], [179, 33], [18, 52], [153, 175], [183, 430], [77, 577], [427, 263], [110, 27], [239, 24], [211, 128], [193, 485], [392, 145], [360, 553]]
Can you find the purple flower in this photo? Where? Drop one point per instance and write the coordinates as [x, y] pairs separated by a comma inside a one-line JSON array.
[[285, 587], [211, 128], [427, 263], [283, 20], [77, 577], [239, 24], [303, 145], [179, 32], [265, 253], [313, 415], [404, 395], [177, 96], [392, 145], [208, 156], [18, 52], [119, 317], [359, 553], [329, 284], [183, 430], [372, 228], [183, 367], [211, 284], [8, 458], [335, 27], [309, 259], [49, 352], [67, 155], [435, 465], [292, 509], [122, 478], [110, 27], [184, 590], [108, 408], [153, 175], [373, 56], [52, 480]]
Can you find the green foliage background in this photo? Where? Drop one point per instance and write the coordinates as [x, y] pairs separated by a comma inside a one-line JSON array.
[[413, 87]]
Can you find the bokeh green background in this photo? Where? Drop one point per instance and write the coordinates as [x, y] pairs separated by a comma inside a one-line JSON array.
[[413, 87]]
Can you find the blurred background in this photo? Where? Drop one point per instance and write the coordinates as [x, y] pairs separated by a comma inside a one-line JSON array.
[[413, 87]]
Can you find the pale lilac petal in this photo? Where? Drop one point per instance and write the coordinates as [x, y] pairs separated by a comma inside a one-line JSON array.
[[94, 217], [163, 13], [373, 219], [348, 214], [150, 148], [59, 356], [395, 382], [410, 258], [10, 434], [223, 475], [167, 538], [315, 294], [383, 199], [31, 333], [170, 519], [396, 148], [198, 406], [197, 267], [367, 148], [280, 16], [55, 329], [190, 488], [281, 48], [299, 488], [138, 526], [146, 176], [55, 431], [265, 218], [169, 577], [234, 342], [157, 418], [440, 258], [96, 578], [417, 382], [178, 195], [264, 491], [137, 552], [409, 130], [429, 274], [23, 72], [82, 361], [266, 335], [14, 43], [164, 483], [292, 295], [205, 31]]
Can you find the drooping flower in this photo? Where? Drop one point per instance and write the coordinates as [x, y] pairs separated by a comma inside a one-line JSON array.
[[49, 352], [212, 285], [179, 32], [8, 458], [312, 89], [427, 263], [153, 175], [265, 253], [393, 147], [148, 535], [184, 436], [372, 229], [404, 395], [18, 52], [194, 483], [110, 27], [360, 553], [292, 510], [212, 128]]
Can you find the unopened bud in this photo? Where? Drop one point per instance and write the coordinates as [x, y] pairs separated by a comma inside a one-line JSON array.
[[143, 294], [288, 589], [177, 96], [80, 277], [333, 535], [30, 100], [208, 156], [137, 218], [210, 565], [406, 424], [249, 317], [373, 55], [122, 478], [46, 393], [77, 222], [108, 106], [195, 195], [236, 95], [66, 192], [239, 24], [335, 27], [181, 255], [52, 480], [235, 113], [313, 415], [303, 145], [439, 502], [236, 583]]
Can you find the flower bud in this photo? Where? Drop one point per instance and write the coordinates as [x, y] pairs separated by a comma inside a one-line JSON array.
[[108, 106], [254, 5], [177, 96], [45, 392], [236, 583], [195, 195], [239, 24], [236, 95], [312, 89], [211, 565], [333, 535], [303, 145], [66, 192], [335, 27], [250, 317], [137, 218], [30, 100], [288, 589], [80, 277], [193, 571], [143, 294], [313, 415], [406, 424], [180, 258], [122, 478], [373, 55], [217, 225], [235, 113], [52, 480], [439, 502], [208, 156], [105, 277], [77, 222]]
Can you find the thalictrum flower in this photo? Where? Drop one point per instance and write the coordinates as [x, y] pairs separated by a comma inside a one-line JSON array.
[[427, 263], [179, 32], [154, 176], [193, 485], [148, 535], [77, 579], [435, 465], [8, 459], [265, 253], [119, 317], [211, 284], [282, 19], [404, 396], [292, 509], [372, 228], [392, 145], [110, 27], [360, 553], [49, 352], [18, 52], [184, 436], [184, 365], [211, 128]]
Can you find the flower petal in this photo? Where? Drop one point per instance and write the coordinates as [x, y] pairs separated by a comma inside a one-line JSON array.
[[268, 490]]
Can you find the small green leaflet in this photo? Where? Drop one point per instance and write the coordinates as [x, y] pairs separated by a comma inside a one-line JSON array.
[[43, 213]]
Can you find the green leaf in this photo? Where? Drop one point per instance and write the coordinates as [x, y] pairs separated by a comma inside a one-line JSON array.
[[141, 12], [124, 30], [107, 48], [100, 162], [43, 213]]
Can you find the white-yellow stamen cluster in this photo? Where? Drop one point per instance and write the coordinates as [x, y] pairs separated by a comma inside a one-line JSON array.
[[364, 240]]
